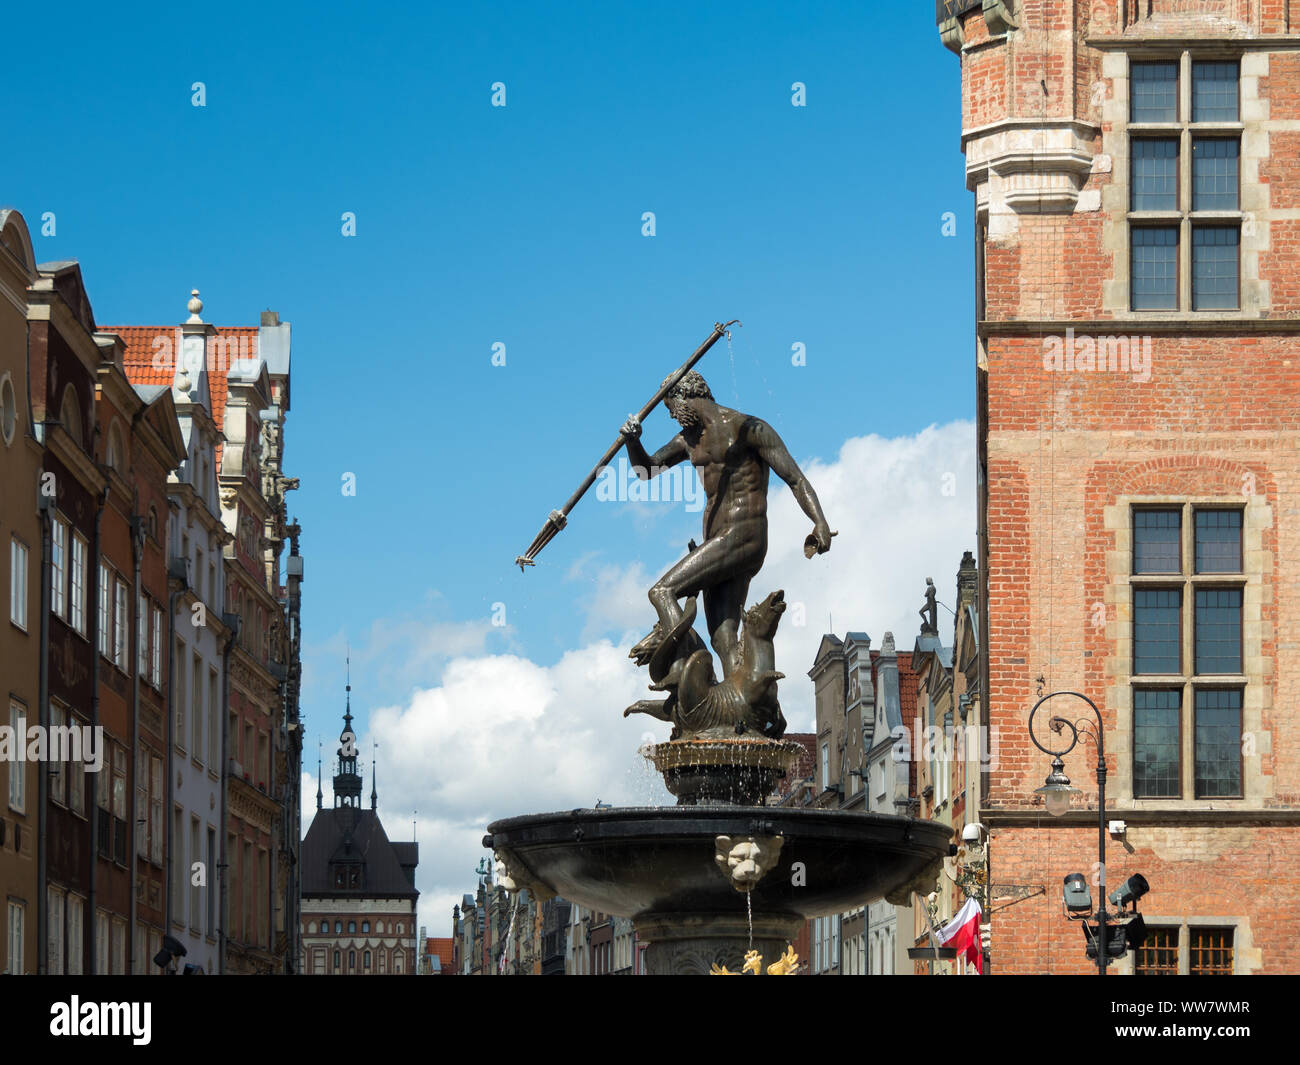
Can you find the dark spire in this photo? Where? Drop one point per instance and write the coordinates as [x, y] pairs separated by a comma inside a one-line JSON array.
[[347, 781], [374, 773], [320, 778]]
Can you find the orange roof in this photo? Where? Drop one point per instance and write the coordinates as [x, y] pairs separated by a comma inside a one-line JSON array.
[[445, 949], [907, 683], [148, 363]]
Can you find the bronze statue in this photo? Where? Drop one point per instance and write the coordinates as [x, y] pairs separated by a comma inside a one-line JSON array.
[[733, 453]]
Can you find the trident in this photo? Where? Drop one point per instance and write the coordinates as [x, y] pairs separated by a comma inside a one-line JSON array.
[[557, 519]]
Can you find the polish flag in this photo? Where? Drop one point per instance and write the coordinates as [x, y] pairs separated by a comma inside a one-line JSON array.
[[963, 933]]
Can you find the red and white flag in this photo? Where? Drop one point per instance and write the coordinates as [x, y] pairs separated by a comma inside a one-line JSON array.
[[963, 933]]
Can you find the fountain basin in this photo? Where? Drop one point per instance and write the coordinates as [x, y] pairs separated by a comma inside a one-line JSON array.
[[657, 866]]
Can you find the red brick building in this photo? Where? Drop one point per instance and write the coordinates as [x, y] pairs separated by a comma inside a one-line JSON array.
[[1136, 170]]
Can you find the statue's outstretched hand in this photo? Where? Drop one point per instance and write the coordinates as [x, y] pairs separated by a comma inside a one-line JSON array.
[[631, 428], [818, 541]]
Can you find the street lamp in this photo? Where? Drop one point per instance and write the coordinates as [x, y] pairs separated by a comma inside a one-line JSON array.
[[1057, 793]]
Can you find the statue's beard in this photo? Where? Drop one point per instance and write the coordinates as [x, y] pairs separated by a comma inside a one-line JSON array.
[[687, 416]]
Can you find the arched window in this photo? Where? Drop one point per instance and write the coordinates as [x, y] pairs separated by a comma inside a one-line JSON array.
[[365, 926], [336, 961], [338, 928], [379, 927], [366, 960], [352, 927], [352, 959], [115, 456], [70, 415]]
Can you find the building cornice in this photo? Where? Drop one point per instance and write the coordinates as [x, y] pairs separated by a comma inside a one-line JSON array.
[[1227, 45], [1181, 325], [61, 446], [1037, 817]]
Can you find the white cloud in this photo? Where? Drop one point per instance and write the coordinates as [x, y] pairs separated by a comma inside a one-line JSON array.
[[501, 736], [886, 498]]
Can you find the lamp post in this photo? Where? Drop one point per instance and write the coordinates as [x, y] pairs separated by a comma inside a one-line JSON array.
[[1057, 793]]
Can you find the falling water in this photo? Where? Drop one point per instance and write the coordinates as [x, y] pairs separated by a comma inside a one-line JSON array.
[[749, 912], [510, 931], [735, 390]]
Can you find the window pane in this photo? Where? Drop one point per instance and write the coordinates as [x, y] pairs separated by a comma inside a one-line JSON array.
[[58, 566], [1211, 952], [1154, 92], [1155, 268], [1218, 743], [1218, 630], [1218, 541], [1214, 92], [1155, 630], [1158, 955], [1156, 541], [1214, 174], [1155, 175], [1214, 268], [1156, 771]]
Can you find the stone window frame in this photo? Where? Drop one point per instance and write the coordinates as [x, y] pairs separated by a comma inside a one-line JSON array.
[[1251, 217], [1257, 670], [1246, 957]]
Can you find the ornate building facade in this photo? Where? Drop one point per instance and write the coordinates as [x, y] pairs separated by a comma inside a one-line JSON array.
[[20, 592], [233, 385], [358, 887], [1135, 188]]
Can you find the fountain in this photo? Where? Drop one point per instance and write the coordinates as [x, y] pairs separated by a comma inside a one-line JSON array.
[[721, 880]]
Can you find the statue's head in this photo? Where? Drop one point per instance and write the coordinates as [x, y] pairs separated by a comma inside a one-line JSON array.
[[691, 386]]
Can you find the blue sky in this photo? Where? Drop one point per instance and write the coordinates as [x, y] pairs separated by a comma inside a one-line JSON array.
[[818, 225]]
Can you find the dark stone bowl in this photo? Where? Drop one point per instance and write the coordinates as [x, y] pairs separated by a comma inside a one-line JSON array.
[[639, 861]]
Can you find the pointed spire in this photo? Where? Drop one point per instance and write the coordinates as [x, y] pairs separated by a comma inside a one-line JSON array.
[[347, 710], [347, 781], [320, 796], [374, 773]]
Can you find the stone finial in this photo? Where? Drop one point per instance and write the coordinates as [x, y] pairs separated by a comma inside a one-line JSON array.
[[195, 306], [887, 646]]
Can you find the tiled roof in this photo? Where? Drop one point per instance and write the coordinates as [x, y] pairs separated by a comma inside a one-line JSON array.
[[384, 876], [445, 949], [907, 682], [140, 365]]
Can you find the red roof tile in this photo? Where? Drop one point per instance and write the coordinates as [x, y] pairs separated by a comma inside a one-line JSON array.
[[907, 685], [151, 363], [445, 949]]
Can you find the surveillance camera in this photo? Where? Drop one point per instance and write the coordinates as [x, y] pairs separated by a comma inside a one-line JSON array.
[[1130, 891], [1077, 897], [973, 833], [1118, 828]]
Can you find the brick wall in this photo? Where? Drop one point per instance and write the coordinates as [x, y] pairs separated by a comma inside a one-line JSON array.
[[1204, 408]]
